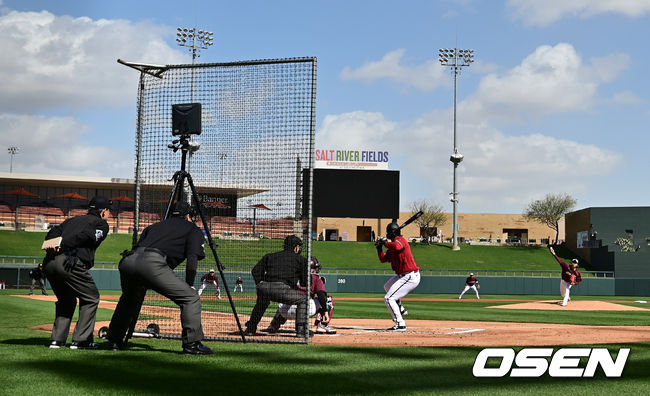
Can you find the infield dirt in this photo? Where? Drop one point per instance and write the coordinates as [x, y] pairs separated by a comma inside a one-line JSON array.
[[371, 332]]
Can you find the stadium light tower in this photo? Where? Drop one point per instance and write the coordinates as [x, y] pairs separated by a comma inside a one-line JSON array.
[[194, 39], [456, 59], [12, 151]]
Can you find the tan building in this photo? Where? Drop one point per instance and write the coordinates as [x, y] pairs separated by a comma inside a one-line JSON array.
[[477, 227]]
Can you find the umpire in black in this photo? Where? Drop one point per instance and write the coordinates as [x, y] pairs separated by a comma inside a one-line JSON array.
[[161, 248], [67, 265], [276, 277]]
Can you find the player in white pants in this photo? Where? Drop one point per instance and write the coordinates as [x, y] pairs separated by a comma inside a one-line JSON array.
[[396, 288], [470, 283], [210, 279], [570, 276], [239, 283]]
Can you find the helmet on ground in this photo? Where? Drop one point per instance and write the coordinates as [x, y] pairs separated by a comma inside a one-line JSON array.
[[315, 264], [392, 230]]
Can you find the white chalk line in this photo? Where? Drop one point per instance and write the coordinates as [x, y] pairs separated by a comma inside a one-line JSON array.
[[365, 330]]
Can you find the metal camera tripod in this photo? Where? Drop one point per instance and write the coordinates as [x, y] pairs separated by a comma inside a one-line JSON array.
[[183, 144]]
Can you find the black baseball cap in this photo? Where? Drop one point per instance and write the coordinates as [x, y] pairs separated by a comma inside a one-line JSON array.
[[291, 241], [181, 209], [99, 202]]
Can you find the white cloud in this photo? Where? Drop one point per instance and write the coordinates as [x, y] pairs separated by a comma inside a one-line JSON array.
[[499, 172], [52, 62], [553, 79], [59, 61], [626, 98], [543, 13], [55, 145], [424, 77]]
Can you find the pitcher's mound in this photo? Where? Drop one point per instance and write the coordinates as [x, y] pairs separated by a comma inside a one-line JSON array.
[[556, 305]]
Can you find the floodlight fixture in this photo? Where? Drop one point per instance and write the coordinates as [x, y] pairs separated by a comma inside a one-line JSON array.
[[13, 150], [198, 39]]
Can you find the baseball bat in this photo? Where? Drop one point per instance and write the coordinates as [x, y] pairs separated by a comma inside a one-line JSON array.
[[411, 219]]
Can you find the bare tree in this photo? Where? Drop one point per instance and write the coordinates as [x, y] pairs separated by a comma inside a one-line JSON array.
[[433, 217], [550, 210]]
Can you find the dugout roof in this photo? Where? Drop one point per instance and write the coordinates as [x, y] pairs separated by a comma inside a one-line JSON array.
[[27, 179]]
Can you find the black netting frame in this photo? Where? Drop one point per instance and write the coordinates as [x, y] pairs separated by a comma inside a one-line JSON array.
[[258, 122]]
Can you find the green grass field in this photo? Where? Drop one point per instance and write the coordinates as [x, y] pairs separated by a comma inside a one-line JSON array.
[[330, 254], [156, 367]]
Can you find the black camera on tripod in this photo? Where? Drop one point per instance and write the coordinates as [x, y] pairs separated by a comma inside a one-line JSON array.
[[186, 119]]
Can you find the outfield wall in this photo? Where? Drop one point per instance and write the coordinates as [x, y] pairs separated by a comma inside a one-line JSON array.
[[109, 279]]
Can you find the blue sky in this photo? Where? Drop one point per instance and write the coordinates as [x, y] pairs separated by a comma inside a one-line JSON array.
[[556, 102]]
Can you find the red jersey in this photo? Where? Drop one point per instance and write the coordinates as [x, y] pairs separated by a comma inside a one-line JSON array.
[[316, 285], [471, 280], [566, 269], [209, 277], [399, 255]]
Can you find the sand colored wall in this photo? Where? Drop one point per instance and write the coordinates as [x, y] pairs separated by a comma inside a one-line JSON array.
[[471, 225]]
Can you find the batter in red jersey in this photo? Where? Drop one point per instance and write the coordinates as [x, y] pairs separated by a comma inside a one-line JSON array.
[[407, 273], [211, 278]]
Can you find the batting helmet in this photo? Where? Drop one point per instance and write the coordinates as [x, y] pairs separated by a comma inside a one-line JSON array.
[[315, 265], [392, 230]]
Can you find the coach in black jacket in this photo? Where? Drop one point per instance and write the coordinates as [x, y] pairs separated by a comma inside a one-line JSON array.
[[276, 277], [67, 265]]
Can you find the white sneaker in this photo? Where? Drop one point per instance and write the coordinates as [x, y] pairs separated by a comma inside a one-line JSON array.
[[56, 344], [320, 329]]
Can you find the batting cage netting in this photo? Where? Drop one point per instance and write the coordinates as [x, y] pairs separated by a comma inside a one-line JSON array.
[[257, 136]]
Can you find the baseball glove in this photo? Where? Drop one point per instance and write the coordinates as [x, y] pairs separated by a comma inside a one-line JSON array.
[[573, 279], [478, 286]]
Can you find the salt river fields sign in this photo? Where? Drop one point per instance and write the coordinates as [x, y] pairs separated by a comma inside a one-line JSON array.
[[351, 159]]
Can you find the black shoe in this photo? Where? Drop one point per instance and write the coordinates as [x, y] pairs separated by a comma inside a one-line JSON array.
[[196, 348], [45, 294], [115, 345], [84, 345], [30, 294], [397, 328], [250, 331], [57, 344]]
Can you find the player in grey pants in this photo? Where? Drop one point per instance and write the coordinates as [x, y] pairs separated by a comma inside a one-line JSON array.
[[276, 277], [67, 265], [150, 265]]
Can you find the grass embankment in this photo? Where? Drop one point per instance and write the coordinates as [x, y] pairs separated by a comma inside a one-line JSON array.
[[330, 254]]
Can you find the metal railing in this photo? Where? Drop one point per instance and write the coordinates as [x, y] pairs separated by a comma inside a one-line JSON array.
[[465, 272], [32, 261]]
